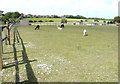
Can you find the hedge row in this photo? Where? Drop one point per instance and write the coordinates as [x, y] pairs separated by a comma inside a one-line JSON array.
[[40, 21]]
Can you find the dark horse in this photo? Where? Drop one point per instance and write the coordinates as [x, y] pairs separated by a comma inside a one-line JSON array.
[[62, 26], [37, 27]]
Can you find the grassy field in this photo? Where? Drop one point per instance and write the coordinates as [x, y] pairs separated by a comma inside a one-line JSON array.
[[51, 55]]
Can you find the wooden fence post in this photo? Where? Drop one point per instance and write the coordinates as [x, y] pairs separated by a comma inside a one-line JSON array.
[[8, 33], [5, 35], [1, 65]]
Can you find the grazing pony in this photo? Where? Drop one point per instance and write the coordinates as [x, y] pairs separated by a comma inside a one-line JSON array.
[[85, 32], [62, 26], [37, 27], [59, 28]]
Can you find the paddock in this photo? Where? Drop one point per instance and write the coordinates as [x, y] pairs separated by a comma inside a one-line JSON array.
[[62, 56]]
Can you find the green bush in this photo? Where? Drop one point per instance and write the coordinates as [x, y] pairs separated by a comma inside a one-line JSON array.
[[35, 21], [31, 21], [104, 21], [40, 21], [51, 21], [118, 21]]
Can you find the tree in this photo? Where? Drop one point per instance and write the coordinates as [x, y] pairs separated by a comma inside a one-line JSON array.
[[29, 16], [8, 14], [12, 20], [40, 21], [68, 16], [75, 17], [51, 21], [17, 20], [11, 16], [1, 14], [56, 16], [4, 19], [16, 15], [117, 19], [21, 17]]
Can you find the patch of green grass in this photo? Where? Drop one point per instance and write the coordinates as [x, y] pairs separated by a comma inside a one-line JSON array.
[[63, 55]]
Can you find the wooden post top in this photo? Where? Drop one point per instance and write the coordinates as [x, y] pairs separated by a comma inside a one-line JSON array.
[[7, 23]]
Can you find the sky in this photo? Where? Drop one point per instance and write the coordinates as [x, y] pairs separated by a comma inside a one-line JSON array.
[[89, 8]]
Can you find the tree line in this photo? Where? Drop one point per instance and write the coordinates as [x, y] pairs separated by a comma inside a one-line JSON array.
[[75, 17], [16, 17]]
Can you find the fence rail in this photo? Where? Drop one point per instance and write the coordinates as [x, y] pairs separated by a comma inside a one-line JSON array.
[[5, 32], [1, 49]]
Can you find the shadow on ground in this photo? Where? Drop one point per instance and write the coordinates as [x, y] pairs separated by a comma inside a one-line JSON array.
[[30, 73]]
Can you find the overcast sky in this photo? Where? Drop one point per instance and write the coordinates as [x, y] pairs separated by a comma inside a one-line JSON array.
[[87, 8]]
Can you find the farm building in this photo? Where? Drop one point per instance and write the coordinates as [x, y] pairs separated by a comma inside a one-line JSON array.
[[24, 22]]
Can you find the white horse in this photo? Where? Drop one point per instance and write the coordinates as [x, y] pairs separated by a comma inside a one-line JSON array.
[[59, 28], [84, 32]]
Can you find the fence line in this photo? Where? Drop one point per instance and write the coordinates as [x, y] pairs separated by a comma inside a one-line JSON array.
[[5, 32], [1, 65], [4, 39]]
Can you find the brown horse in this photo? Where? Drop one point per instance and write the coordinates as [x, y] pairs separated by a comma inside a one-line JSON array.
[[37, 27]]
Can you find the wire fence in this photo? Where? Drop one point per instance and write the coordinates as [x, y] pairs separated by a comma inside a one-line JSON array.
[[50, 23]]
